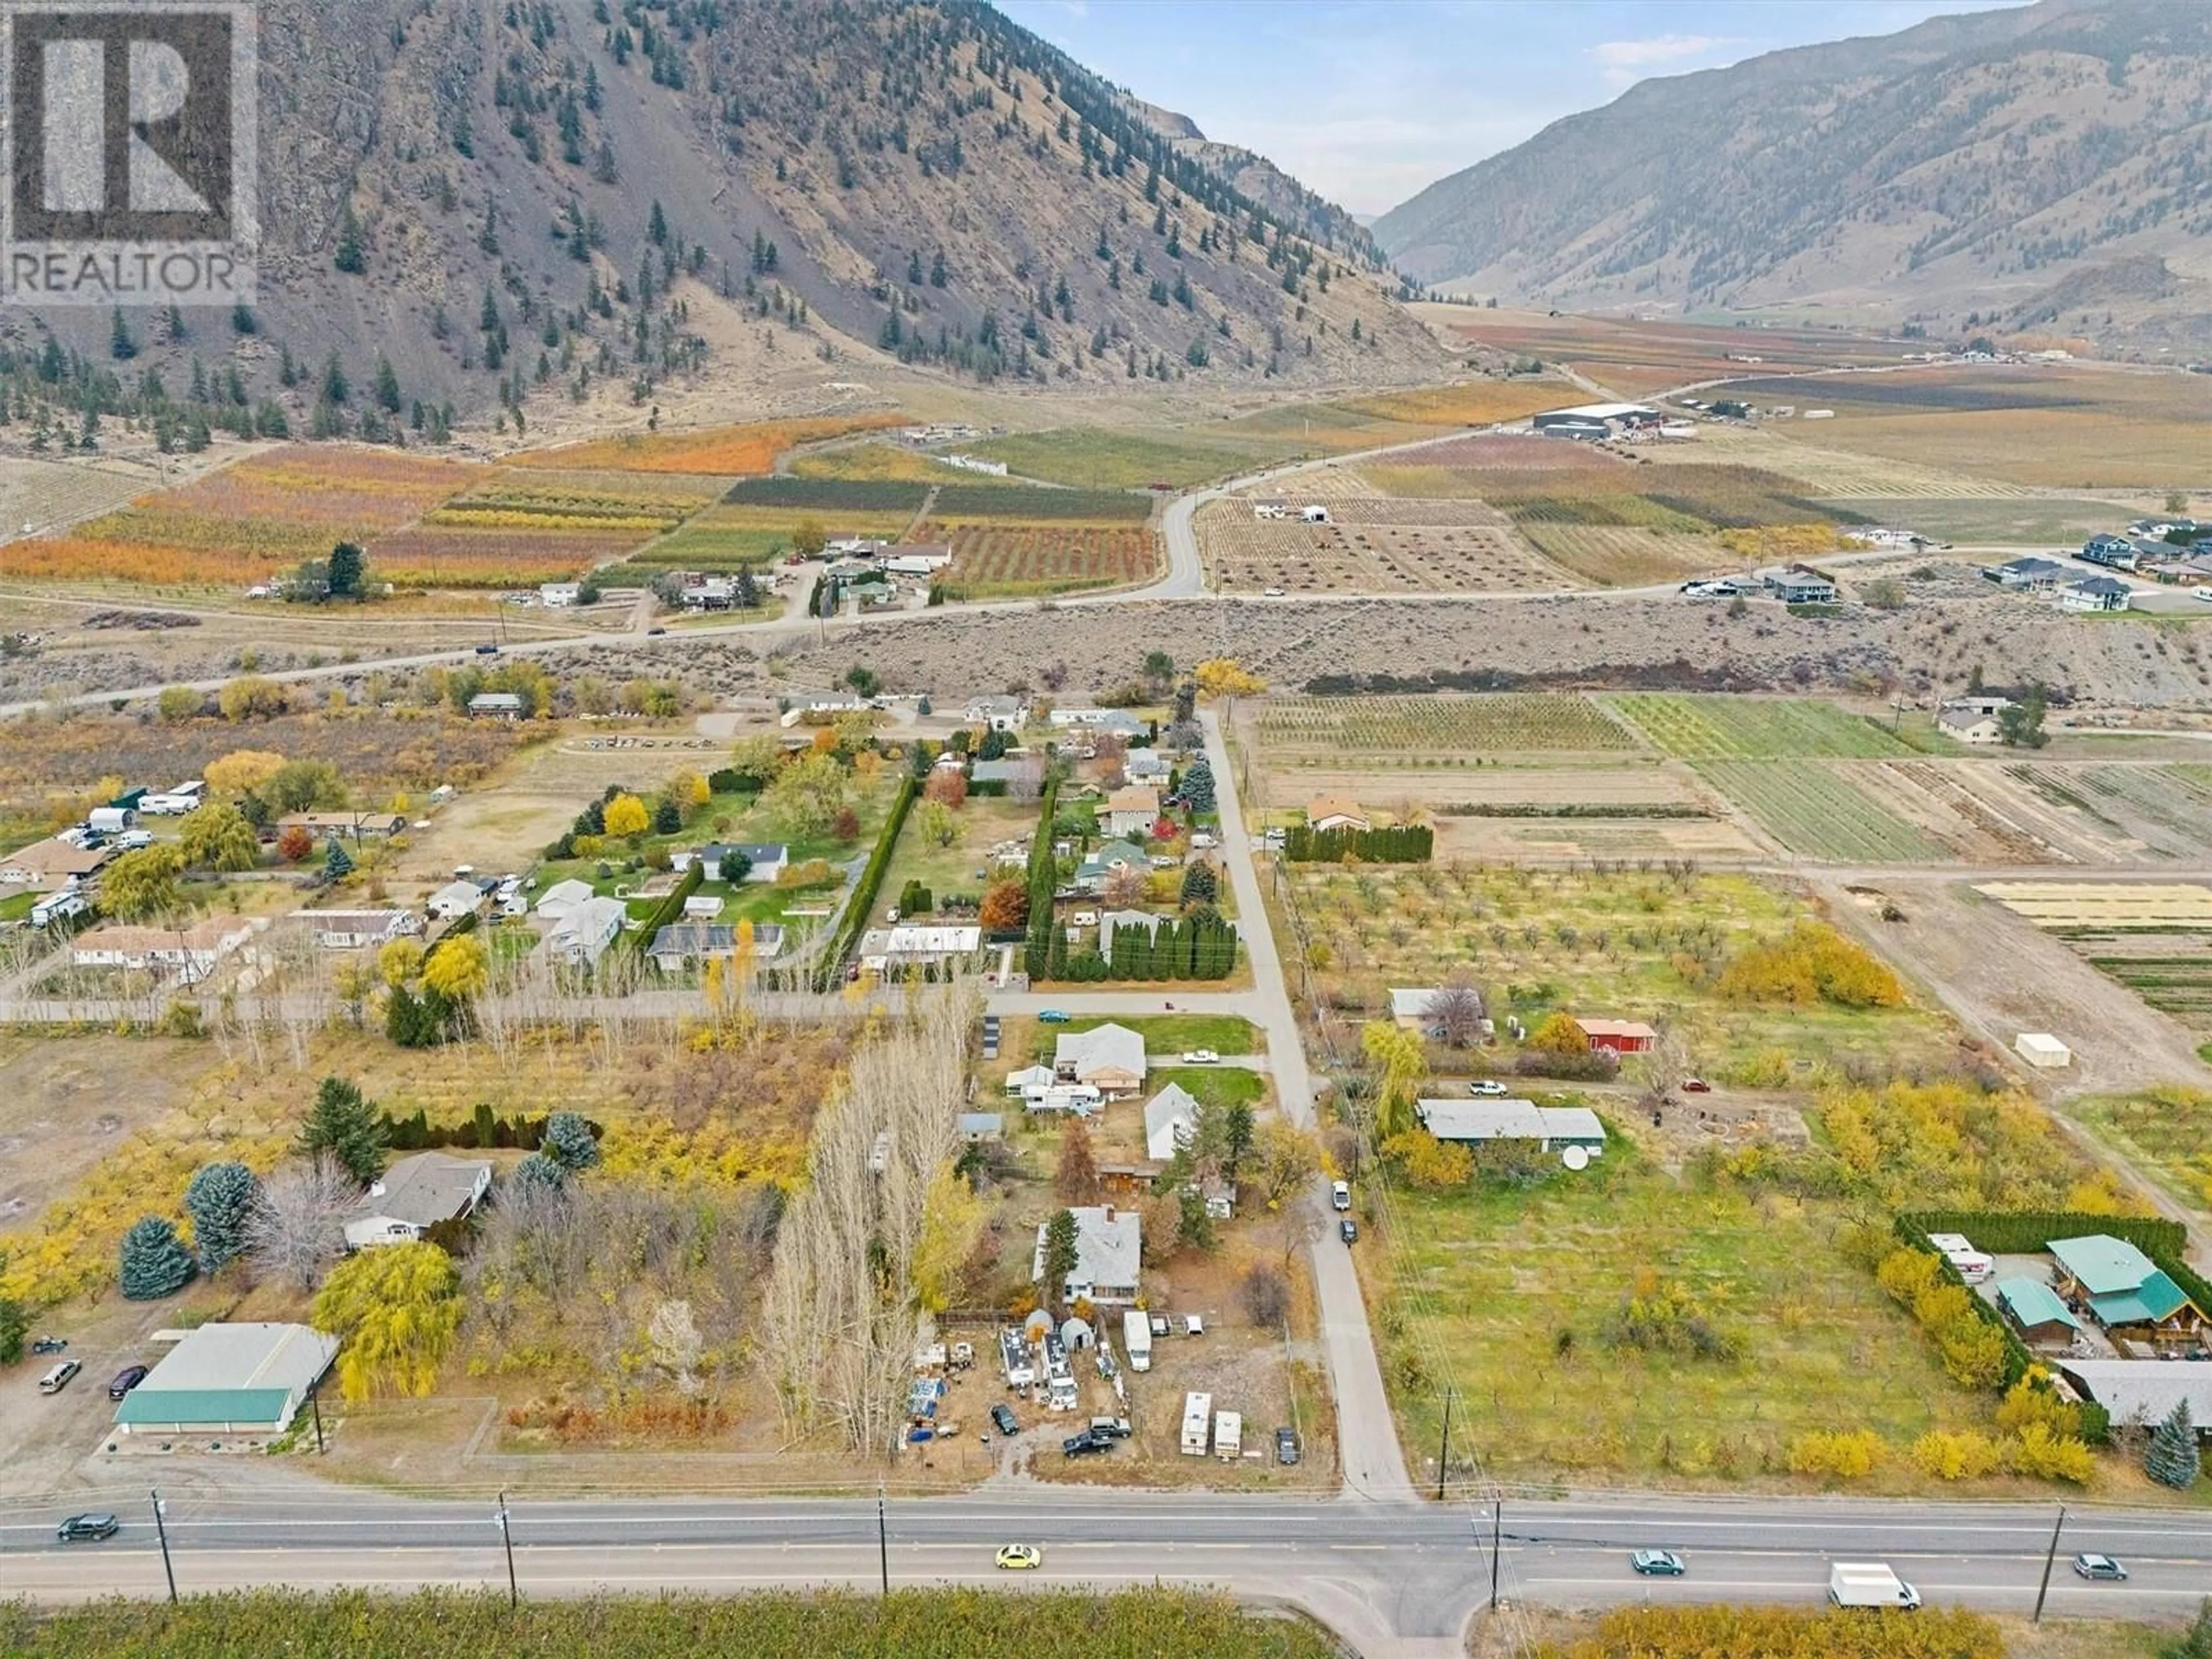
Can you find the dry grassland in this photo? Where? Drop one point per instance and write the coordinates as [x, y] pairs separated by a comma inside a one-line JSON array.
[[728, 452], [2105, 904]]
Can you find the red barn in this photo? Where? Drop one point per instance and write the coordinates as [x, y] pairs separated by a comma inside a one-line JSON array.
[[1621, 1037]]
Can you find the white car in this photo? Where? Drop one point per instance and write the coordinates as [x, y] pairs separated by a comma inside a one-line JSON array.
[[2205, 594], [1084, 919], [1200, 1057], [1272, 593], [1488, 1088]]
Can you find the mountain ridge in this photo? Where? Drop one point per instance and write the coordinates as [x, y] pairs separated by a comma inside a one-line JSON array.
[[1978, 163]]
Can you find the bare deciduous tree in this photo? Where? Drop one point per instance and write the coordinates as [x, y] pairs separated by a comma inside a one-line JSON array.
[[295, 1228], [1456, 1010]]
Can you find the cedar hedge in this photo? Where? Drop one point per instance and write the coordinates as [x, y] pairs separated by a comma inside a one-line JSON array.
[[669, 909], [1411, 843], [872, 882]]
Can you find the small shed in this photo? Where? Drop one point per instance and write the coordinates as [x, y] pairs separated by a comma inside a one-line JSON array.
[[2036, 1310], [2041, 1049]]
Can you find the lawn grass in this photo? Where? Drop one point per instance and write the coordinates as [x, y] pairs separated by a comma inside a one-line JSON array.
[[1215, 1087], [2166, 1132], [1509, 1292], [979, 824], [1174, 1034]]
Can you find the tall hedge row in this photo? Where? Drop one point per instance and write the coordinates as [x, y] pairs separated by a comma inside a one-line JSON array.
[[872, 882], [1408, 844]]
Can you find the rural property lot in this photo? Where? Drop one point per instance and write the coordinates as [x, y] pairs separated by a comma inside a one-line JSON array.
[[1814, 811], [1244, 554], [1752, 728], [1433, 726]]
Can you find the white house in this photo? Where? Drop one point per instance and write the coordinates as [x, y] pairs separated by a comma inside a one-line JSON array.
[[1117, 721], [1108, 1248], [909, 946], [1145, 766], [582, 936], [453, 901], [1972, 719], [1132, 810], [1110, 1057], [563, 896], [351, 930], [498, 705], [1170, 1122], [191, 952], [2097, 594], [1797, 584], [1111, 922], [414, 1195], [1326, 813], [559, 595], [764, 860], [997, 713], [1477, 1122]]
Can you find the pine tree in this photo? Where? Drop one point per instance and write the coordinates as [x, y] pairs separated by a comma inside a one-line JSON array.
[[569, 1141], [344, 1125], [1198, 786], [540, 1173], [388, 385], [337, 863], [121, 345], [2172, 1459], [351, 257], [1060, 1255], [218, 1201], [153, 1263], [344, 579]]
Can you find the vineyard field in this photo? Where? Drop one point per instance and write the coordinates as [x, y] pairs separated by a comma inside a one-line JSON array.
[[873, 463], [1696, 728], [1247, 555], [845, 497], [1090, 458], [730, 451], [1626, 556], [1813, 811], [460, 556], [966, 503], [1502, 723], [1473, 403], [1011, 560]]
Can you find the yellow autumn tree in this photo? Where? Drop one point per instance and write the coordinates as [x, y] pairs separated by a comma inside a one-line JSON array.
[[952, 1218], [626, 816], [242, 771], [395, 1309], [457, 968], [1224, 677], [1402, 1060], [399, 961]]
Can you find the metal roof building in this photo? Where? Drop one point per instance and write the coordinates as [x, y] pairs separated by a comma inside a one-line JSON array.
[[229, 1379], [1477, 1121], [2145, 1390]]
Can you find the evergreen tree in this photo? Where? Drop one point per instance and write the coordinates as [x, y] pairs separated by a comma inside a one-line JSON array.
[[569, 1141], [388, 385], [667, 818], [1060, 1254], [1201, 885], [345, 1126], [1198, 786], [351, 257], [337, 863], [218, 1201], [121, 345], [344, 574], [336, 389], [242, 320], [2173, 1459], [540, 1173], [153, 1263]]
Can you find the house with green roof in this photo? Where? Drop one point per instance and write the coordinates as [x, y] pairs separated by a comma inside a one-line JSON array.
[[2126, 1291], [2036, 1310]]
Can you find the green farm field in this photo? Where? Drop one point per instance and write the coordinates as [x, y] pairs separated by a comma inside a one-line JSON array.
[[2166, 1132], [1508, 1293], [1814, 810], [1498, 723], [2038, 521], [1705, 727], [1088, 457]]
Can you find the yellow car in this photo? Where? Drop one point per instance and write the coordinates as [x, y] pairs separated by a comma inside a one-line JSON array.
[[1020, 1558]]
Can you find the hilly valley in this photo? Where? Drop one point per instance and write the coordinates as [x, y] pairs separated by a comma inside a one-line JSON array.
[[533, 205], [2050, 166]]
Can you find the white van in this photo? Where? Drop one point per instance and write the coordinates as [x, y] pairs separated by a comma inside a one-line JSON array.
[[57, 1379]]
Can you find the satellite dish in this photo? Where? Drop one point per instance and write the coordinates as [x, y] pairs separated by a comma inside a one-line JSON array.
[[1575, 1158]]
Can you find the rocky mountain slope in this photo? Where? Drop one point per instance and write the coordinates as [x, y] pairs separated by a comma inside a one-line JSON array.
[[525, 203], [2051, 164]]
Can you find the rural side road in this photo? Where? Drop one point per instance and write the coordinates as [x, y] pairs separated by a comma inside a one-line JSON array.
[[1367, 1435]]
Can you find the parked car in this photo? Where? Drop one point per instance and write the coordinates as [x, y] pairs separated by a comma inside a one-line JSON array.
[[1003, 1415], [1340, 1195], [655, 632], [1287, 1450], [1082, 1446], [1109, 1428], [1489, 1088], [58, 1378], [1200, 1057], [1054, 1017], [1020, 1558], [125, 1379], [49, 1344], [1696, 1086], [1657, 1563], [488, 649], [1348, 1230], [87, 1529], [1271, 593], [2100, 1567]]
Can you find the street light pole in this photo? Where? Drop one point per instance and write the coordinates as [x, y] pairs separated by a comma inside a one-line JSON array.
[[1443, 1451], [507, 1537], [162, 1531], [1496, 1536], [317, 1405], [2050, 1556], [882, 1541]]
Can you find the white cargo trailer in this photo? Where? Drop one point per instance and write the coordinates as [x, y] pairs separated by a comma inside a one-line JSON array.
[[1869, 1584]]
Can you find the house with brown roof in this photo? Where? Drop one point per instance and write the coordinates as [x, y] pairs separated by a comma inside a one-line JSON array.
[[1132, 810], [49, 865], [191, 952]]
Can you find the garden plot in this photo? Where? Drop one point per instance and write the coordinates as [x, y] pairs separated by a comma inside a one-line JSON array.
[[1697, 727], [2130, 809], [2170, 970], [1567, 839], [1814, 811], [1501, 723], [2106, 904]]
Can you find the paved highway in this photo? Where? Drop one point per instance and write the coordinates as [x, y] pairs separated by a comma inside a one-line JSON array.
[[1394, 1578]]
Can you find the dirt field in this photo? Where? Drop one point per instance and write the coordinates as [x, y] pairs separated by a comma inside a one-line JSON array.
[[2003, 975], [1438, 549], [66, 1105]]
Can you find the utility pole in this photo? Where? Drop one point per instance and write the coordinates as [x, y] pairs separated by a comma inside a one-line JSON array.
[[1443, 1451], [507, 1537], [2049, 1557], [882, 1541], [162, 1531], [1496, 1536], [317, 1405]]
